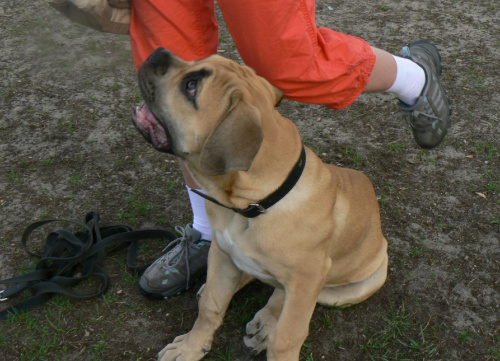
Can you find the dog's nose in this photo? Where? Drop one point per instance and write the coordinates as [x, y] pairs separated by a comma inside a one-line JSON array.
[[160, 60]]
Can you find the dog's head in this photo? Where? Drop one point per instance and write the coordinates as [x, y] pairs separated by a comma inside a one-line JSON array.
[[207, 112]]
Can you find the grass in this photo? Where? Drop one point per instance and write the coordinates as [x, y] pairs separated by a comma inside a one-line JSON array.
[[488, 150], [130, 278], [48, 162], [135, 208], [225, 355], [398, 147], [352, 155], [13, 176], [170, 184], [402, 339], [417, 252], [442, 226], [326, 320], [466, 336], [76, 179], [71, 128], [62, 303], [493, 187], [110, 297], [306, 352], [382, 199], [242, 311], [50, 333], [41, 338], [495, 351]]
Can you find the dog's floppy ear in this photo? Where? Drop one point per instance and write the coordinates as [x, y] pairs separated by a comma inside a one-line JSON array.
[[275, 93], [278, 95], [235, 141]]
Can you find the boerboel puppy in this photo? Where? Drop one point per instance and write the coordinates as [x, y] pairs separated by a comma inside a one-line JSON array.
[[278, 213]]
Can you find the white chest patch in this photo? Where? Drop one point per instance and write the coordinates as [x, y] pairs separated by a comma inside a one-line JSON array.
[[243, 262]]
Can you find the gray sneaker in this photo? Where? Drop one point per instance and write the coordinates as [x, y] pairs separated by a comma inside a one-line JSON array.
[[184, 262], [429, 118]]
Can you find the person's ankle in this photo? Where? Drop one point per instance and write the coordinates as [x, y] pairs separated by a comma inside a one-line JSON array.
[[204, 228], [200, 218]]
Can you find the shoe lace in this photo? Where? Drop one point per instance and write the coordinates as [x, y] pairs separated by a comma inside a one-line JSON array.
[[422, 120], [175, 250]]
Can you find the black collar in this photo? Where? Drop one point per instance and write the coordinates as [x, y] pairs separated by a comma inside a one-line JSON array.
[[256, 209]]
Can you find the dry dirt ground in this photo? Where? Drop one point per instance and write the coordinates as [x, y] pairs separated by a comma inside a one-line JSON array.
[[68, 146]]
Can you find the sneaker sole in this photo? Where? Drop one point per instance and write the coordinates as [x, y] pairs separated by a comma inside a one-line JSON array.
[[159, 296], [155, 294]]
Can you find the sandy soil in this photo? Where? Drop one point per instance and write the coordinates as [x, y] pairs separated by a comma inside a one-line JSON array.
[[68, 146]]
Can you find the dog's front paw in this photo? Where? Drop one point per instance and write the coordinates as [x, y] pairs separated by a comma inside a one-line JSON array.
[[258, 330], [181, 349]]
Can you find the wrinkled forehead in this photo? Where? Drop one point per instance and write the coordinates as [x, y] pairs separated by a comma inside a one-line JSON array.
[[223, 66]]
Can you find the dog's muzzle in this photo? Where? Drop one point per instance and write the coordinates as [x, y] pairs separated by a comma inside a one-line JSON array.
[[155, 132], [159, 61], [151, 129]]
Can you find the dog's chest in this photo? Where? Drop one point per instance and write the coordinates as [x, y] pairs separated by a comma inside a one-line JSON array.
[[240, 259]]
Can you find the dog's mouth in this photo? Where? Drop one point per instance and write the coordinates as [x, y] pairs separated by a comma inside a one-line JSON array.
[[151, 129]]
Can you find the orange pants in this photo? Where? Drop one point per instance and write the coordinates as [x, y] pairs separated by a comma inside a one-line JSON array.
[[278, 38]]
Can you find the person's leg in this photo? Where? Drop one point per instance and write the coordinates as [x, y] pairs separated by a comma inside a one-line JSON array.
[[384, 72], [423, 101], [190, 30], [429, 116], [187, 28], [200, 218], [402, 77], [281, 42]]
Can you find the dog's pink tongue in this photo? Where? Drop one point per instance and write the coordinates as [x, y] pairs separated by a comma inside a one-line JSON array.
[[150, 128]]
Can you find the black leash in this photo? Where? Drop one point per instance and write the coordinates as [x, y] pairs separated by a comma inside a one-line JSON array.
[[69, 258], [256, 209]]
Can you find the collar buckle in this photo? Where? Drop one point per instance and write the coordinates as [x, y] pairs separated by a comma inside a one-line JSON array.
[[258, 207]]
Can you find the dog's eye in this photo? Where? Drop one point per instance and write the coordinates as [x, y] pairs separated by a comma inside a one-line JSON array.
[[191, 84], [191, 88]]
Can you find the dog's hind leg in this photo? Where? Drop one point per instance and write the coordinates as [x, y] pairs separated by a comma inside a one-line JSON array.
[[351, 294], [264, 322]]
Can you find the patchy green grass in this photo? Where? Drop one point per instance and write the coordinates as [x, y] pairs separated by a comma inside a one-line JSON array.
[[402, 338], [136, 207], [487, 150], [351, 154], [398, 147]]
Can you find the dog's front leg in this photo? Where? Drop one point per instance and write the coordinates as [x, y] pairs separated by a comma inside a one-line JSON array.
[[222, 283], [292, 328], [264, 323]]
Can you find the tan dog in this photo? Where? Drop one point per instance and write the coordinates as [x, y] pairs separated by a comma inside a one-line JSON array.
[[321, 242]]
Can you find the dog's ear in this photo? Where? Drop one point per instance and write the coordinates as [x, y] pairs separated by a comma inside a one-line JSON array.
[[235, 141], [275, 93], [278, 95]]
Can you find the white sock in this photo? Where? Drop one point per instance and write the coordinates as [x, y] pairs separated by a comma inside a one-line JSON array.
[[410, 81], [200, 219]]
